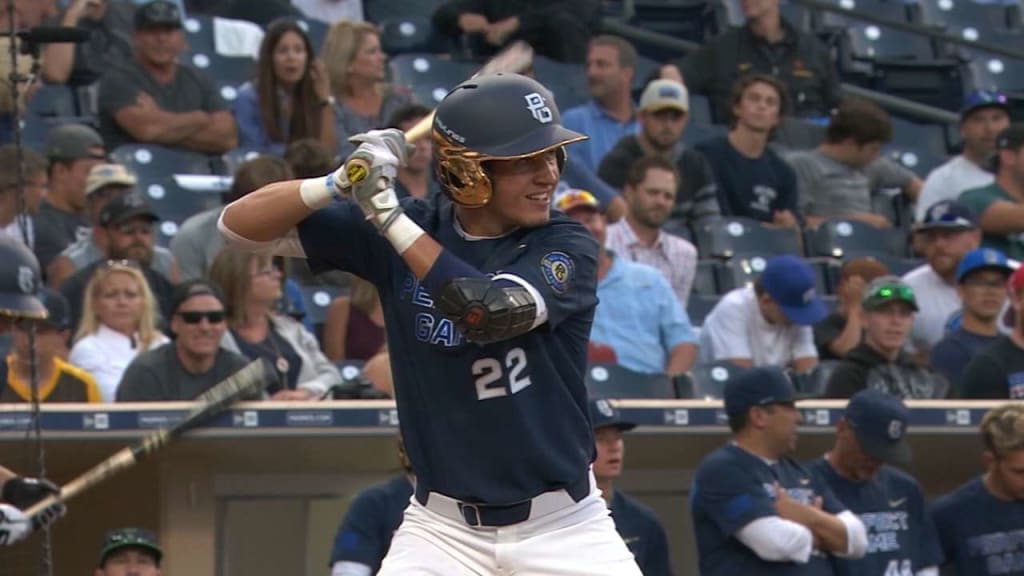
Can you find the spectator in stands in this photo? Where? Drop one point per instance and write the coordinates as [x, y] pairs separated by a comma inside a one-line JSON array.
[[416, 177], [126, 234], [650, 194], [153, 99], [997, 370], [984, 115], [357, 69], [261, 13], [753, 181], [769, 323], [309, 158], [838, 178], [364, 536], [105, 182], [109, 25], [118, 322], [291, 96], [1000, 205], [556, 29], [638, 315], [636, 523], [947, 232], [841, 330], [860, 469], [12, 201], [27, 13], [72, 150], [354, 329], [979, 523], [663, 111], [610, 113], [765, 44], [879, 361], [251, 284], [198, 242], [194, 361], [58, 380], [981, 283], [130, 551], [330, 11]]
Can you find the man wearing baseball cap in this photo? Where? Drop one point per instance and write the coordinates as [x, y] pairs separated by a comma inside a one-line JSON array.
[[997, 370], [768, 323], [981, 283], [949, 230], [663, 113], [153, 99], [638, 525], [755, 509], [1000, 212], [984, 114], [130, 551], [870, 439], [72, 150], [879, 361], [638, 314]]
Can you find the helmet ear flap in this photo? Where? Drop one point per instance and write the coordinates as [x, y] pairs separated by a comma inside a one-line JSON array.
[[464, 180]]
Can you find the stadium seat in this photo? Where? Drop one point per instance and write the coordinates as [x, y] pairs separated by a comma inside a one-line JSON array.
[[895, 10], [402, 34], [615, 381], [693, 20], [929, 137], [429, 76], [159, 162], [678, 227], [728, 235], [743, 269], [814, 382], [697, 132], [699, 306], [225, 71], [316, 30], [878, 45], [173, 202], [232, 159], [937, 83], [994, 72], [709, 380], [700, 109], [645, 70], [918, 159], [198, 29], [568, 82], [317, 299], [836, 238], [380, 10], [704, 281], [968, 19]]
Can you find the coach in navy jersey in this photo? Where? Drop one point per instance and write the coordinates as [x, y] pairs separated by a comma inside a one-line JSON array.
[[488, 299], [901, 536], [755, 509], [637, 524], [981, 524], [365, 533]]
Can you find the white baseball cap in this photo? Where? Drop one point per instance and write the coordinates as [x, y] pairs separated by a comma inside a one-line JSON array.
[[106, 175], [663, 95]]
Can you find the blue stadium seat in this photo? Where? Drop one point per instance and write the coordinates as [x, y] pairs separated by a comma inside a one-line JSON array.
[[697, 132], [158, 162], [173, 202], [918, 159], [693, 20], [568, 82], [994, 72], [678, 227], [315, 29], [704, 281], [837, 238], [743, 269], [971, 20], [381, 10], [814, 382], [895, 10], [700, 109], [928, 137], [878, 45], [198, 30], [225, 71], [429, 76], [709, 380], [403, 34], [728, 235], [614, 381], [699, 306]]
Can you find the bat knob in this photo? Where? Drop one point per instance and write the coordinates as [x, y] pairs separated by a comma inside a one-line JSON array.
[[356, 170]]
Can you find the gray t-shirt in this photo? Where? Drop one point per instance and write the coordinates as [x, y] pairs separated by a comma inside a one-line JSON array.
[[55, 231], [196, 244], [158, 376], [830, 189], [190, 90], [348, 122]]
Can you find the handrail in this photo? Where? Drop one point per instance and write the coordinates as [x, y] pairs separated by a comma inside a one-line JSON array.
[[892, 103]]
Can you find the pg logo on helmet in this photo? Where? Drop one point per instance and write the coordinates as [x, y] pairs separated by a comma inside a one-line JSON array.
[[538, 107]]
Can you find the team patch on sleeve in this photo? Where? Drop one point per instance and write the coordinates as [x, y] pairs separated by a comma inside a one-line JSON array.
[[559, 271]]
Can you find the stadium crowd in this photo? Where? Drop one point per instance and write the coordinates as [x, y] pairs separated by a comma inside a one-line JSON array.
[[748, 213]]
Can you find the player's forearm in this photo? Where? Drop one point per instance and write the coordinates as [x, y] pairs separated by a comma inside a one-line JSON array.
[[267, 214]]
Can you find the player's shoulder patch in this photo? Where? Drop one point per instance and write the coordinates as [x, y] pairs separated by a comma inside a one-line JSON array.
[[559, 271]]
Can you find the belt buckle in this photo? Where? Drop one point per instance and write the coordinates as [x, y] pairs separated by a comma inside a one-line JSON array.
[[471, 514]]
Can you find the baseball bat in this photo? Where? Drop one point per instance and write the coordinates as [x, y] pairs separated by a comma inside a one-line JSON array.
[[516, 57], [247, 380]]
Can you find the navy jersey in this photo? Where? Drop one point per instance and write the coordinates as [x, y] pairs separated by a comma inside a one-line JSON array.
[[497, 423], [365, 533], [643, 534], [731, 489], [980, 534], [901, 535]]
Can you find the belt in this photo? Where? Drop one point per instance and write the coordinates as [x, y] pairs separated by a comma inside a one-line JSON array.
[[480, 515]]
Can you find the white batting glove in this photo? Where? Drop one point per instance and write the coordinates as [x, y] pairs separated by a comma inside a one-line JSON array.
[[14, 525], [384, 151]]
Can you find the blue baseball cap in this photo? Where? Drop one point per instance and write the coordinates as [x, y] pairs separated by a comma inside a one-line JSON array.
[[982, 259], [603, 415], [981, 99], [790, 283], [879, 422], [759, 386], [948, 214]]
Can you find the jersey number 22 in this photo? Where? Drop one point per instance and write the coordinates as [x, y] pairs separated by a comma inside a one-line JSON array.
[[489, 375]]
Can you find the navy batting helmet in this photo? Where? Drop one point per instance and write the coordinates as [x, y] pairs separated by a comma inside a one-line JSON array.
[[496, 117], [19, 281]]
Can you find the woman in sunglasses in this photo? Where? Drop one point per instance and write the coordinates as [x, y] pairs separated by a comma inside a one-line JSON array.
[[251, 285], [119, 320]]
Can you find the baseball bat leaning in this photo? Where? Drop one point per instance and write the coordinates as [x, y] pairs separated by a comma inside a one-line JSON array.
[[247, 380], [516, 57]]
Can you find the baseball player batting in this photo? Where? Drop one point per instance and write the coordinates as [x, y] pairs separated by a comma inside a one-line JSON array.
[[19, 282], [488, 299]]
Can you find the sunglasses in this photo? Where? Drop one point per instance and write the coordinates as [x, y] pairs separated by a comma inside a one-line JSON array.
[[196, 316], [897, 292]]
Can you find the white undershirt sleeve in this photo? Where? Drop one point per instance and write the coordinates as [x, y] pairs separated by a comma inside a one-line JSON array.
[[776, 539], [350, 569], [856, 535], [290, 245]]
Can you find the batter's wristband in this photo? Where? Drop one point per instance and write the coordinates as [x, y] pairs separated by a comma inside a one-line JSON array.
[[317, 192]]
